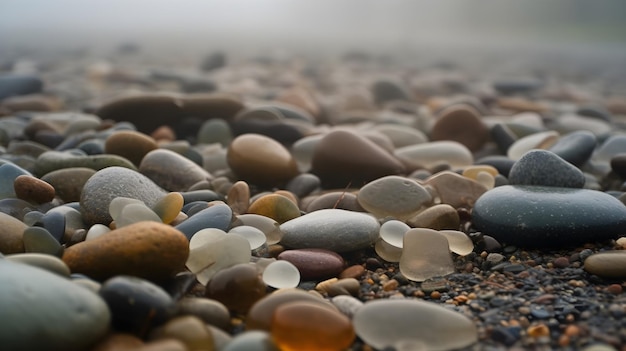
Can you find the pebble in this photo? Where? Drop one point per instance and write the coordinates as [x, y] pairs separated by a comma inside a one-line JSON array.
[[136, 304], [455, 190], [129, 144], [11, 235], [44, 261], [425, 254], [172, 171], [238, 197], [314, 264], [55, 160], [19, 84], [438, 217], [331, 229], [393, 196], [540, 140], [303, 184], [386, 91], [238, 287], [111, 182], [188, 330], [343, 158], [384, 323], [576, 147], [459, 242], [535, 216], [33, 190], [75, 320], [210, 311], [215, 131], [281, 274], [169, 207], [149, 250], [545, 168], [460, 123], [253, 340], [401, 136], [322, 329], [275, 206], [607, 264], [9, 172], [68, 183], [261, 160], [218, 216], [335, 199], [435, 153], [39, 240]]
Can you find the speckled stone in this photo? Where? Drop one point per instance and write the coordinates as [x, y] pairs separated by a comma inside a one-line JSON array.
[[110, 183], [461, 123], [11, 235], [275, 206], [607, 264], [261, 160], [172, 171], [545, 168], [314, 264], [61, 316], [343, 158], [535, 216], [331, 229], [130, 144], [149, 250], [68, 183], [393, 196]]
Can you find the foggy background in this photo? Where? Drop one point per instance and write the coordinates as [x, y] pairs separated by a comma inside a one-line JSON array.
[[314, 27]]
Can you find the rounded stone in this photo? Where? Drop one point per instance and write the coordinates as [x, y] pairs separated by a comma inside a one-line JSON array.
[[314, 264], [68, 183], [169, 207], [217, 216], [461, 123], [149, 250], [11, 235], [253, 340], [136, 305], [331, 229], [393, 196], [210, 311], [54, 160], [215, 131], [33, 190], [437, 217], [261, 160], [61, 316], [238, 197], [455, 190], [576, 147], [323, 329], [607, 264], [281, 275], [39, 240], [237, 287], [343, 158], [383, 323], [335, 199], [112, 182], [47, 262], [545, 168], [277, 207], [435, 153], [401, 135], [387, 90], [536, 216], [9, 172], [189, 330], [129, 144], [303, 184], [540, 140], [172, 171]]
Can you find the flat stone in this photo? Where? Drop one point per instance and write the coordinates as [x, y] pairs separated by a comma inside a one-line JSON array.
[[331, 229], [33, 190], [11, 235], [536, 216], [343, 158], [425, 254], [401, 135], [172, 171], [44, 261], [437, 217], [461, 123], [607, 264], [39, 240], [218, 216], [576, 147], [386, 322], [436, 153], [54, 160], [540, 140], [314, 264], [76, 320], [393, 196], [129, 144], [149, 250], [261, 160], [113, 182], [68, 183], [545, 168], [455, 190]]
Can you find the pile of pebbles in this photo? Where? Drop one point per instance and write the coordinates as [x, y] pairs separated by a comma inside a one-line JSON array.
[[283, 204]]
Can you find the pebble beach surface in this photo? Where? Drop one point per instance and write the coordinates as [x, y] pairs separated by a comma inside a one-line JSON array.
[[282, 203]]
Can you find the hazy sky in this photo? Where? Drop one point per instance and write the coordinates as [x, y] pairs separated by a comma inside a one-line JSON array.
[[304, 22]]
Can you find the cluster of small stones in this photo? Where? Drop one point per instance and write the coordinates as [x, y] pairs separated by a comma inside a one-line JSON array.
[[268, 205]]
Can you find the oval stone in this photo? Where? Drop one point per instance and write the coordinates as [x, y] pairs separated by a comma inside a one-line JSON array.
[[217, 216], [436, 153], [461, 123], [576, 147], [383, 323], [277, 207], [33, 190], [314, 264], [542, 167], [535, 216], [113, 182], [11, 235], [438, 217], [68, 183], [607, 264], [149, 250], [331, 229], [261, 160], [237, 287], [75, 320], [393, 196], [129, 144], [54, 160], [172, 171]]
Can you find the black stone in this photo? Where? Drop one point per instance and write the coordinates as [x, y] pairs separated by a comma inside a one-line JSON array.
[[575, 148]]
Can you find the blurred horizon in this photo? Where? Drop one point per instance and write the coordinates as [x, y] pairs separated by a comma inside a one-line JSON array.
[[316, 27]]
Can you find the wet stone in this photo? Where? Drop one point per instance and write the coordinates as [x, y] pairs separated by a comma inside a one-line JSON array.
[[314, 264], [172, 171], [331, 229], [393, 196], [535, 216], [324, 329], [383, 323], [425, 254], [545, 168]]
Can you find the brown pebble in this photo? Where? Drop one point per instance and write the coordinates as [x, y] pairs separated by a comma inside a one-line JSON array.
[[355, 271], [163, 133], [238, 197], [237, 287], [436, 295], [390, 285], [31, 189], [537, 331], [561, 262], [461, 123], [129, 144], [614, 289], [572, 330]]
